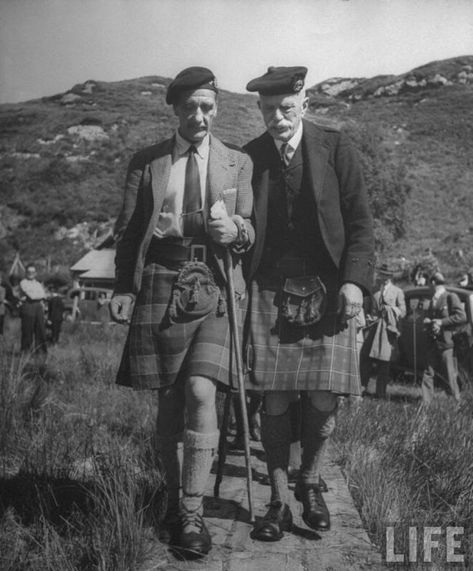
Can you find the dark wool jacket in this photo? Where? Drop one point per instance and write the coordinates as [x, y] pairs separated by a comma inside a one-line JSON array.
[[343, 211]]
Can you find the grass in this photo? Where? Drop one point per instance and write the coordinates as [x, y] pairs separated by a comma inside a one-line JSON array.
[[79, 487], [408, 466], [78, 483]]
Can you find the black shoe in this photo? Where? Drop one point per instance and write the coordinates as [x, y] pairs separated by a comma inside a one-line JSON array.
[[193, 541], [276, 520], [315, 514]]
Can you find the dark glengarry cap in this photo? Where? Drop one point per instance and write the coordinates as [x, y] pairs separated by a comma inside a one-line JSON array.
[[279, 81], [189, 79]]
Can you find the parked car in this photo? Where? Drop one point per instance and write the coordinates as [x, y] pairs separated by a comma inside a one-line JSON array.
[[413, 338]]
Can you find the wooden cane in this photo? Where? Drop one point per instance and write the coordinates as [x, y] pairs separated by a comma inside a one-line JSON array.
[[240, 378], [222, 443]]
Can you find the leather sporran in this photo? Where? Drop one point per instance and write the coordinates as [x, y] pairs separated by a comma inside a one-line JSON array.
[[194, 294], [303, 301]]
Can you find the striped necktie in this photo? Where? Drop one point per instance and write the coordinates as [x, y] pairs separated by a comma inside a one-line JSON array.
[[283, 151], [192, 223]]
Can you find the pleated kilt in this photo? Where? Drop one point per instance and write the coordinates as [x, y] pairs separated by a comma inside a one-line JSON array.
[[157, 353], [283, 357]]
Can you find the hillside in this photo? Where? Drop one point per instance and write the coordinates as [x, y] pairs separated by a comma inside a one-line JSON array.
[[63, 158]]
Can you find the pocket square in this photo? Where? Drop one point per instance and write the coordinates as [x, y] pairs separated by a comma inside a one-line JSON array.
[[228, 192]]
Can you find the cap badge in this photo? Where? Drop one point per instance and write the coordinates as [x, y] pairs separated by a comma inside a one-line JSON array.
[[297, 85]]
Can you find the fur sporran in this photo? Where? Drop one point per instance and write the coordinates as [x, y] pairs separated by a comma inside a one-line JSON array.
[[194, 294], [303, 301]]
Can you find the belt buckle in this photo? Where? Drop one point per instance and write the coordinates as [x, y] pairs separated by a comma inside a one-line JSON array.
[[198, 253]]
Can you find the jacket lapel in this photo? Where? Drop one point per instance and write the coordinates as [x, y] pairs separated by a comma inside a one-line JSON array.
[[220, 162], [160, 170], [315, 155]]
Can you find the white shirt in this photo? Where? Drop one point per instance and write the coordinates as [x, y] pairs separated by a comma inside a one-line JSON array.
[[292, 144], [439, 290], [170, 217], [32, 289]]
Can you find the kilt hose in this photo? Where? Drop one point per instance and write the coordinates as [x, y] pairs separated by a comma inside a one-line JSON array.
[[284, 357], [157, 353]]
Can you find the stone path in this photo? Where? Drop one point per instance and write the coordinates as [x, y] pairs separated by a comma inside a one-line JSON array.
[[345, 547]]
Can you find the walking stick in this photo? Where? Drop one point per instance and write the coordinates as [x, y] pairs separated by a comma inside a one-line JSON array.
[[414, 343], [239, 368], [222, 443]]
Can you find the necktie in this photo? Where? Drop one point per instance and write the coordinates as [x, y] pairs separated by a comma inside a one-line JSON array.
[[192, 204], [284, 152]]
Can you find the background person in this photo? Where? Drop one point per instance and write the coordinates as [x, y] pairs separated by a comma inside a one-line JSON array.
[[388, 307], [55, 315], [312, 220], [33, 327], [179, 337], [444, 314]]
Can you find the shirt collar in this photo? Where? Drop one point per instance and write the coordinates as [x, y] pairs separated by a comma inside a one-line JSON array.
[[182, 145], [439, 290], [293, 141]]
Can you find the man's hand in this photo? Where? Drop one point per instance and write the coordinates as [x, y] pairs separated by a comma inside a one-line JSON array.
[[223, 230], [350, 301], [120, 306]]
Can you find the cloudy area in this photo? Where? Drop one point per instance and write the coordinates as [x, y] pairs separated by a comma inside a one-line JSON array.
[[47, 46]]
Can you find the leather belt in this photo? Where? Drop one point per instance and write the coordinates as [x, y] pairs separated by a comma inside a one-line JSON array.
[[175, 252]]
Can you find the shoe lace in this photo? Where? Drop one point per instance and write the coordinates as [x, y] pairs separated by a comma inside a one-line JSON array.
[[314, 497], [194, 520]]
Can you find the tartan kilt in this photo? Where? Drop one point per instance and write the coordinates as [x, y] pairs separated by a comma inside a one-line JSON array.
[[158, 353], [283, 357]]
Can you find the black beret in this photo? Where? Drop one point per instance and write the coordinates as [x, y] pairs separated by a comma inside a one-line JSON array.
[[189, 79], [279, 80]]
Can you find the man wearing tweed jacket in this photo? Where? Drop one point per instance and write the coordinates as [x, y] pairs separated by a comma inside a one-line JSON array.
[[187, 200]]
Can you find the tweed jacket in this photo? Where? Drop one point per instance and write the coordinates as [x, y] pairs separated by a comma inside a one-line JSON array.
[[337, 183], [228, 178], [449, 309]]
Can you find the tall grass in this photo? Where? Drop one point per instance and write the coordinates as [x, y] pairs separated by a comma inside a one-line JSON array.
[[410, 466], [78, 483]]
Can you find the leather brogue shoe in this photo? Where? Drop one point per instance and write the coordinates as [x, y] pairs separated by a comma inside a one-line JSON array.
[[193, 541], [315, 513], [276, 520]]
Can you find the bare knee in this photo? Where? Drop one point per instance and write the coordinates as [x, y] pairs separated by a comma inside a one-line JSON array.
[[200, 392]]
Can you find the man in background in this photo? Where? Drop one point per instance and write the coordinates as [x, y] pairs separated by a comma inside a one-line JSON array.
[[388, 307], [310, 267], [55, 315], [444, 314], [33, 327]]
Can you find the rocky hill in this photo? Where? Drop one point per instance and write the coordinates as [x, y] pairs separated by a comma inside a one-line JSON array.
[[63, 158]]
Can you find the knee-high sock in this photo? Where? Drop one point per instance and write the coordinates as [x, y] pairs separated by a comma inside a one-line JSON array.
[[199, 452], [276, 439], [317, 426], [170, 451]]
